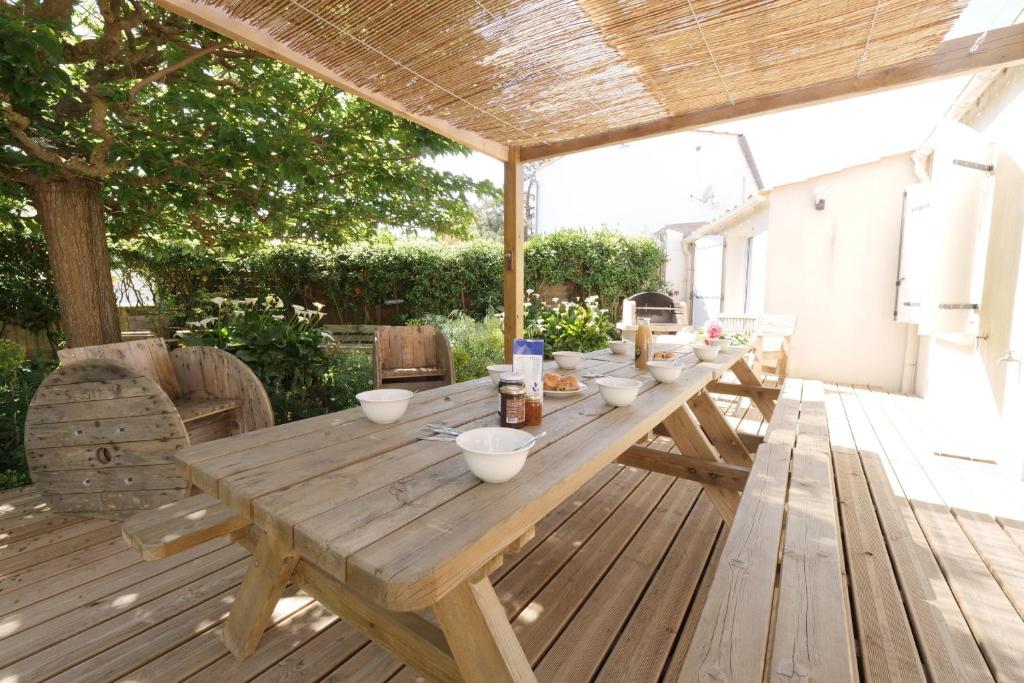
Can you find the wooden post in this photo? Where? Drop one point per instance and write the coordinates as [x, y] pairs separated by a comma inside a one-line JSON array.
[[515, 287]]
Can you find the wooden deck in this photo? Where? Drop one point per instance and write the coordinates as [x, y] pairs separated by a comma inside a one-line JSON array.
[[605, 591]]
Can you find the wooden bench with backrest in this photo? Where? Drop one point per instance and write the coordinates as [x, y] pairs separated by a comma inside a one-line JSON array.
[[771, 619], [102, 429], [412, 357], [353, 337]]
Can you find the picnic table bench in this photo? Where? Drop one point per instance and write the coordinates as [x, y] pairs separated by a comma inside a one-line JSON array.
[[789, 619], [377, 525]]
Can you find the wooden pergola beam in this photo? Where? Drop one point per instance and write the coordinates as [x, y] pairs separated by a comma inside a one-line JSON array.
[[515, 284], [998, 48], [261, 41]]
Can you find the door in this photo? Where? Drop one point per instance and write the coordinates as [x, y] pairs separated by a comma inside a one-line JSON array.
[[708, 267], [757, 272], [1001, 317]]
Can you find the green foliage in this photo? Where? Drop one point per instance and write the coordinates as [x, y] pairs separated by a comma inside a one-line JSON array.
[[602, 262], [430, 277], [19, 380], [568, 325], [192, 136], [27, 298], [12, 355], [287, 350], [475, 343]]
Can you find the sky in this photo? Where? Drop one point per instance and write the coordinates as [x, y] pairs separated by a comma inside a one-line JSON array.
[[626, 181]]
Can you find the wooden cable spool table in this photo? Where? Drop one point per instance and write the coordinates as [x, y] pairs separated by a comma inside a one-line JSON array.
[[102, 429], [377, 525]]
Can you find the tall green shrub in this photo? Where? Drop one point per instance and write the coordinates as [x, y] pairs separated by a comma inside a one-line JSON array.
[[428, 277]]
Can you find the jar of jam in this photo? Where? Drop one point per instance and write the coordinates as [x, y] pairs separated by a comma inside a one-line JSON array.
[[512, 396], [534, 409]]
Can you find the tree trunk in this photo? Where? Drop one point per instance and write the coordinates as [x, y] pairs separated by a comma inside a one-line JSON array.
[[71, 215]]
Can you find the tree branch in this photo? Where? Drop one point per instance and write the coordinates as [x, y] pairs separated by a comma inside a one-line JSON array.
[[49, 9], [98, 122], [18, 125], [180, 64]]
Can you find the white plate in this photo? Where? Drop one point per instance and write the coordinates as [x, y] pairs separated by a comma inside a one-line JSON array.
[[583, 387]]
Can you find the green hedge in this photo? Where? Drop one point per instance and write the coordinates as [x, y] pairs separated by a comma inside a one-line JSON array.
[[429, 277]]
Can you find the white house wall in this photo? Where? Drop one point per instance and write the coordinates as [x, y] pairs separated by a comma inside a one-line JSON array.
[[836, 270]]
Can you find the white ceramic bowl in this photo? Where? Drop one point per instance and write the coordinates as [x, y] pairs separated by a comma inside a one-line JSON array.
[[496, 371], [721, 341], [705, 353], [619, 347], [664, 370], [567, 360], [494, 454], [618, 391], [384, 406]]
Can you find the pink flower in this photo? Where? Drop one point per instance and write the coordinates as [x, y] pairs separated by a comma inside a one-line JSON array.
[[714, 331]]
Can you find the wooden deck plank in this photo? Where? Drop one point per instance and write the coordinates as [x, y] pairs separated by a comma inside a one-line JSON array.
[[888, 650], [68, 538], [685, 639], [994, 621], [116, 663], [642, 650], [66, 616], [517, 588], [23, 579], [996, 549], [944, 639], [88, 641], [320, 655], [538, 624], [205, 648], [584, 643]]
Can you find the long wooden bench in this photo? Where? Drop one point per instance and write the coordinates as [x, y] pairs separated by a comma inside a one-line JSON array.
[[788, 618], [178, 526]]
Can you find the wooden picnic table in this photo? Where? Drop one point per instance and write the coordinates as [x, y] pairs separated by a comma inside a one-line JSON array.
[[377, 525]]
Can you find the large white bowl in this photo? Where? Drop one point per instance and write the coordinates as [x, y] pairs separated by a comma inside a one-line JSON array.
[[384, 406], [619, 347], [494, 454], [618, 391], [496, 371], [567, 360], [664, 370], [705, 353]]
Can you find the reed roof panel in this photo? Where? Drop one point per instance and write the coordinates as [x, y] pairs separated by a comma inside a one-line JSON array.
[[528, 72]]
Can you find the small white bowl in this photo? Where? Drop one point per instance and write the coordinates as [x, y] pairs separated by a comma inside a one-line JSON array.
[[664, 370], [384, 406], [494, 454], [619, 347], [721, 341], [618, 391], [567, 360], [496, 371], [706, 353]]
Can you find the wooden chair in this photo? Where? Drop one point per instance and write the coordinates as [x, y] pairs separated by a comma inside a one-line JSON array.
[[771, 339], [412, 357], [102, 429]]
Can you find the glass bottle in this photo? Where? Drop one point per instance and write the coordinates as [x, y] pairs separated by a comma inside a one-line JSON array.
[[534, 410], [644, 343]]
